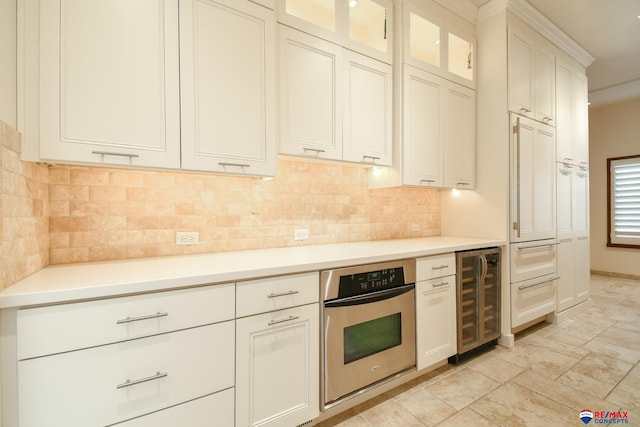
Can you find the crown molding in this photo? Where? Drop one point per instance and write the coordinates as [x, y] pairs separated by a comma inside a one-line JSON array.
[[536, 20], [463, 8]]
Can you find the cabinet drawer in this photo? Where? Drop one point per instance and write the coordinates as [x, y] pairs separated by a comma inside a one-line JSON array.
[[530, 260], [54, 329], [215, 410], [435, 266], [532, 299], [275, 293], [89, 387]]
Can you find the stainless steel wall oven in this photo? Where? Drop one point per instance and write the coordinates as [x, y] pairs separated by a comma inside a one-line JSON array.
[[368, 326]]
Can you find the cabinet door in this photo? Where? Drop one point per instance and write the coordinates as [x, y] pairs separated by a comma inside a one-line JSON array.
[[520, 72], [533, 183], [582, 272], [368, 28], [277, 375], [435, 320], [109, 82], [580, 202], [564, 203], [322, 18], [564, 116], [367, 110], [227, 63], [566, 273], [544, 86], [423, 136], [460, 137], [310, 96], [580, 118]]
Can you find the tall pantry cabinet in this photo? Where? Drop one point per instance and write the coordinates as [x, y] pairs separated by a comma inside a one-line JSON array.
[[520, 64]]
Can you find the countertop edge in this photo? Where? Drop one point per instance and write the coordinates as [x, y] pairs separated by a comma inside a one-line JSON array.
[[65, 284]]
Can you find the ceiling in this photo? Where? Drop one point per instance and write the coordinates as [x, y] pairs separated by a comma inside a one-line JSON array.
[[610, 31]]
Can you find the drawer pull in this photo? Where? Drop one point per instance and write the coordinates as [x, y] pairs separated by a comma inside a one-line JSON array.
[[137, 319], [283, 294], [521, 287], [549, 245], [288, 319], [373, 159], [314, 150], [440, 267], [237, 165], [437, 285], [129, 383], [110, 153]]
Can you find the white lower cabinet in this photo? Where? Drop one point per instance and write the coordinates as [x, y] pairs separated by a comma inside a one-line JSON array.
[[532, 299], [573, 272], [277, 371], [435, 320], [112, 383], [215, 410]]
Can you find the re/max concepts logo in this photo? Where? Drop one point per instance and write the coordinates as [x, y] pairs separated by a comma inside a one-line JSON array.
[[602, 417]]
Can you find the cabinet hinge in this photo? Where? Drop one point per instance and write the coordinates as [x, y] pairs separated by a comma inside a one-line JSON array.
[[515, 128], [515, 225]]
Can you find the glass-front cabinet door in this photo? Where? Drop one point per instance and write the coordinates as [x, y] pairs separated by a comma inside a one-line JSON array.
[[361, 25], [437, 41]]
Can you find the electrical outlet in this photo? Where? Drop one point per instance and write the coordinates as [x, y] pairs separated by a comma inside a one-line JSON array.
[[415, 227], [187, 238], [301, 234]]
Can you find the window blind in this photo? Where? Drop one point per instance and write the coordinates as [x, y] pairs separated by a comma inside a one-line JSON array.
[[625, 201]]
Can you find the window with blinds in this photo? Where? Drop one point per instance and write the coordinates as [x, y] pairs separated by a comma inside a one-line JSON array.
[[624, 201]]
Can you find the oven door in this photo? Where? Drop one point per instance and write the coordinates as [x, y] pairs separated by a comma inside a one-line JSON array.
[[366, 339]]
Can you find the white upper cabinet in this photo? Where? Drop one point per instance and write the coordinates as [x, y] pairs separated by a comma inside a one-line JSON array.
[[460, 138], [531, 76], [572, 112], [361, 25], [109, 84], [334, 103], [438, 41], [227, 63]]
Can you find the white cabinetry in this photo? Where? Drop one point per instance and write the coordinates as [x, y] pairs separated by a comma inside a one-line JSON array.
[[438, 131], [277, 355], [227, 70], [156, 83], [108, 79], [364, 27], [334, 103], [572, 112], [533, 213], [531, 84], [104, 373], [435, 309]]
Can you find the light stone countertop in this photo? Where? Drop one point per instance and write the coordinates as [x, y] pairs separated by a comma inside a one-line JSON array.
[[74, 282]]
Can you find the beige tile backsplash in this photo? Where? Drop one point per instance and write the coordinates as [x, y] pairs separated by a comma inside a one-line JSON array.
[[69, 214]]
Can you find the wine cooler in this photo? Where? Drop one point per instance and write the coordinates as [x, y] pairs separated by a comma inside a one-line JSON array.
[[478, 300]]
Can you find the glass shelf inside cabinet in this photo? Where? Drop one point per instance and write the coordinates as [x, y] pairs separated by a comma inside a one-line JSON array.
[[318, 12], [460, 57], [424, 40], [368, 24]]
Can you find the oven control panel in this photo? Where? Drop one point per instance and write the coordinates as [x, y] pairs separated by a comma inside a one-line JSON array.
[[370, 281]]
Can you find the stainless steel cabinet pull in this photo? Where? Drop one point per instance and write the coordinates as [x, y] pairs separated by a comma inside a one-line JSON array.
[[521, 287], [109, 153], [567, 159], [373, 158], [516, 225], [525, 110], [547, 119], [440, 267], [129, 383], [239, 165], [428, 181], [146, 317], [283, 294], [315, 150], [437, 285], [520, 248], [463, 184], [288, 319]]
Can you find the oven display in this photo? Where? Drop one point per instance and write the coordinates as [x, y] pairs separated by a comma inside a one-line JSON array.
[[371, 337], [372, 281]]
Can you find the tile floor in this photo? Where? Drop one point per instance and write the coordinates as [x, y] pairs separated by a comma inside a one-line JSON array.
[[554, 371]]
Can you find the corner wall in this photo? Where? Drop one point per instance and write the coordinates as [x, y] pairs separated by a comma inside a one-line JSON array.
[[614, 131]]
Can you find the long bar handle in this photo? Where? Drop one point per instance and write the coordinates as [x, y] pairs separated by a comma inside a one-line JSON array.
[[315, 150], [239, 165], [440, 267], [129, 383], [521, 287], [283, 294], [428, 181], [438, 285], [288, 319], [373, 159], [110, 153], [516, 130], [146, 317], [521, 247]]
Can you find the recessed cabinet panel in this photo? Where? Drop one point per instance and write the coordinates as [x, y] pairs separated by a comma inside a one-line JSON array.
[[423, 134], [460, 138], [109, 82], [520, 74], [227, 101], [367, 110], [544, 86], [310, 96]]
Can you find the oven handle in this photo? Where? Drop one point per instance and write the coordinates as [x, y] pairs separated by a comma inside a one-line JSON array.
[[370, 298]]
